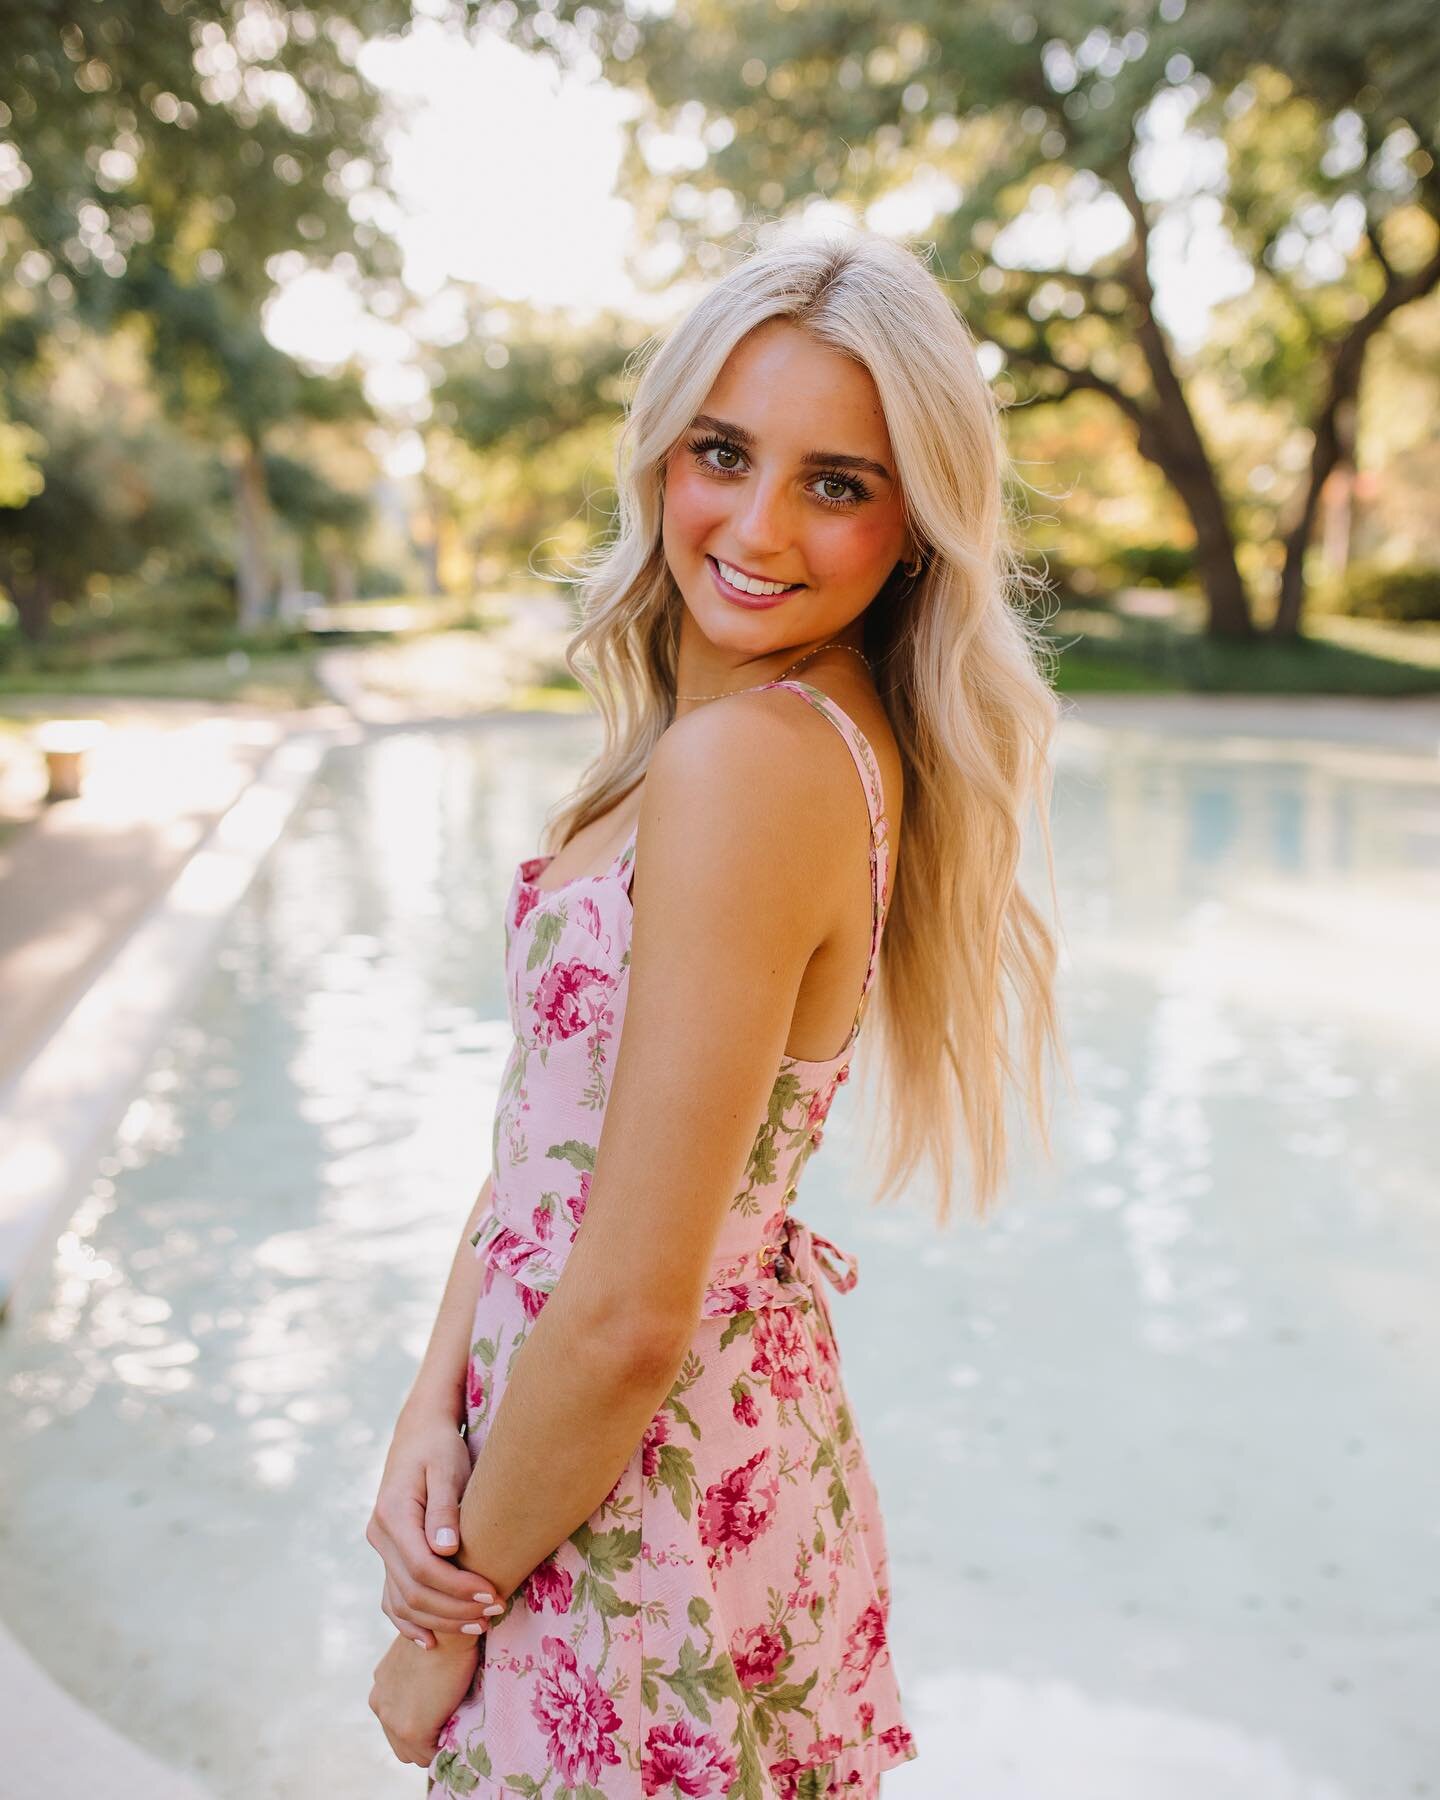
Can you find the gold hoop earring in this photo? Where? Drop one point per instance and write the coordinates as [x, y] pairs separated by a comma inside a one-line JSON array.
[[914, 573]]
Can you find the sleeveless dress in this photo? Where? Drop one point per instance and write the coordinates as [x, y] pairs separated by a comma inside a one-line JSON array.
[[717, 1627]]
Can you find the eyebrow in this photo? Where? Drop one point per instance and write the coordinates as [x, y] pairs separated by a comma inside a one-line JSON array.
[[834, 458]]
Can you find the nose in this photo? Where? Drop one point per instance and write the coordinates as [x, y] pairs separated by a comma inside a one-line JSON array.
[[761, 523]]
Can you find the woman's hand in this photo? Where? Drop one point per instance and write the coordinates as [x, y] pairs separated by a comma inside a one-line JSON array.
[[414, 1694], [426, 1593]]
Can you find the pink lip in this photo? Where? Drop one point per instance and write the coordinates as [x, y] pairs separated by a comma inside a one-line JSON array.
[[753, 601]]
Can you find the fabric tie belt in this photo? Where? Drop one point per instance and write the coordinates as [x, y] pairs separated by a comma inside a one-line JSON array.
[[772, 1274]]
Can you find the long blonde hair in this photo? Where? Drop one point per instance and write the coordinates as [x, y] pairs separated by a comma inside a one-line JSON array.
[[959, 667]]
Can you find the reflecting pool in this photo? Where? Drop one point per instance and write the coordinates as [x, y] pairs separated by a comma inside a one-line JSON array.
[[1157, 1442]]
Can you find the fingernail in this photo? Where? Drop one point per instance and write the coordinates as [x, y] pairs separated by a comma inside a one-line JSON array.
[[493, 1612], [446, 1538], [474, 1630], [421, 1642], [484, 1597]]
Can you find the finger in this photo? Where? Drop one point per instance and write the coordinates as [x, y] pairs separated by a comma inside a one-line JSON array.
[[402, 1621], [442, 1513], [415, 1577]]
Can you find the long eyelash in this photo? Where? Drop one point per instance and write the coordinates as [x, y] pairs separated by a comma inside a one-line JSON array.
[[860, 491]]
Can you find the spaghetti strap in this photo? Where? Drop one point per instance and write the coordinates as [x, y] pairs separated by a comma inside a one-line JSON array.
[[869, 768]]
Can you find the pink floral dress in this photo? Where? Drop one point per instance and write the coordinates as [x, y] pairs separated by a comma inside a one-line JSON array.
[[718, 1625]]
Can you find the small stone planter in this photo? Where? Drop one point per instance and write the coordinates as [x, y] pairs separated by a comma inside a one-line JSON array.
[[65, 745]]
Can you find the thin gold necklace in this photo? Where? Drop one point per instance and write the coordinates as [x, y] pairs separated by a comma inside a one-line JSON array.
[[830, 644]]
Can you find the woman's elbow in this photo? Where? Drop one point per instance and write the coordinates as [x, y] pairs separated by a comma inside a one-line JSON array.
[[642, 1342]]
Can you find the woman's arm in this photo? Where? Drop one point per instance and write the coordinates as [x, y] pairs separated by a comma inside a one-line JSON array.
[[438, 1389], [736, 885], [414, 1526]]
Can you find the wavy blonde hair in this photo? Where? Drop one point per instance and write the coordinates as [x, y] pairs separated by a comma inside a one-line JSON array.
[[960, 669]]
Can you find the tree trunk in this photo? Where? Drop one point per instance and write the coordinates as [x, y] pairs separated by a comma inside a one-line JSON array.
[[1168, 439], [33, 596], [342, 577], [252, 555]]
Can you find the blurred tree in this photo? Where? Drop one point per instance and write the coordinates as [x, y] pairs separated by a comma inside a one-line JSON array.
[[117, 487], [1056, 151], [156, 156], [521, 431]]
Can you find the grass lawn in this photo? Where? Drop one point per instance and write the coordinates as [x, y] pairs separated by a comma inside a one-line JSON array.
[[1112, 651], [283, 678]]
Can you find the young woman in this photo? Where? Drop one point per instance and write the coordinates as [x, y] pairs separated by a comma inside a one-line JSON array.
[[656, 1564]]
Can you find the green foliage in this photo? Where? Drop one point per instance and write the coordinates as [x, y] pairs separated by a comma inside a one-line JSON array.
[[1040, 136], [1408, 596]]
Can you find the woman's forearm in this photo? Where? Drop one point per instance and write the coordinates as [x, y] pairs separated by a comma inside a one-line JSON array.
[[439, 1384], [577, 1404]]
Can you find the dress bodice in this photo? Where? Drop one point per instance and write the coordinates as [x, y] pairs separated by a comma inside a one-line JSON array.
[[567, 968]]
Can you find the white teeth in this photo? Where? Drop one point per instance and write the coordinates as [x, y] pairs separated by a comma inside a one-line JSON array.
[[748, 585]]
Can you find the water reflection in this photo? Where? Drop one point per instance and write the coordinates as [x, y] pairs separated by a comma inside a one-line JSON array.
[[1157, 1468]]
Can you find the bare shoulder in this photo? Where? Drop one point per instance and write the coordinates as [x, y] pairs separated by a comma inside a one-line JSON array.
[[757, 762], [750, 791]]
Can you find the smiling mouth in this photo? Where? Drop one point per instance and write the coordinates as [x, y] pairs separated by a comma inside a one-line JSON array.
[[781, 589]]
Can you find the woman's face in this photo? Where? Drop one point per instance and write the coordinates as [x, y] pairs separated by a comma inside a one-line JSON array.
[[785, 475]]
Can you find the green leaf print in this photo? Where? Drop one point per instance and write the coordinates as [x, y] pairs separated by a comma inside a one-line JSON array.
[[792, 1698], [606, 1552], [486, 1349], [453, 1776], [698, 1611], [609, 1604], [749, 1782], [676, 1468], [843, 1425], [547, 933], [649, 1691], [839, 1497], [816, 1783], [478, 1758], [688, 1681], [578, 1155], [524, 1784], [684, 1417], [741, 1325]]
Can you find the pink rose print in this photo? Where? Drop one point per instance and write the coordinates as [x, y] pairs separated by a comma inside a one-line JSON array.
[[867, 1718], [532, 1300], [735, 1512], [737, 1299], [541, 1222], [867, 1637], [682, 1755], [578, 1202], [573, 1707], [745, 1410], [756, 1654], [526, 902], [656, 1434], [549, 1585], [474, 1387], [825, 1369], [559, 998], [787, 1773], [897, 1738], [781, 1352], [589, 914]]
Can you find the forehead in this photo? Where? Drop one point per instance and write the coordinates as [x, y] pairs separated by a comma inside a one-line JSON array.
[[794, 392]]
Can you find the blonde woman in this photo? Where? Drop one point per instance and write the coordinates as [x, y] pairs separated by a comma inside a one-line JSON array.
[[656, 1563]]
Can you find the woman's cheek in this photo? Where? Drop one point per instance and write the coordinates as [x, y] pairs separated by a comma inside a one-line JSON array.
[[692, 508], [858, 552]]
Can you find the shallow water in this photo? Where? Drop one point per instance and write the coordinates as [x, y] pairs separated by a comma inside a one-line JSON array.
[[1157, 1443]]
